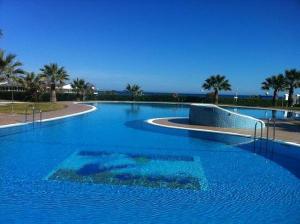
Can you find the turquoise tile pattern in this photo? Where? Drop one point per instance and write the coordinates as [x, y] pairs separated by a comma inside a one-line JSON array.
[[212, 115], [157, 171]]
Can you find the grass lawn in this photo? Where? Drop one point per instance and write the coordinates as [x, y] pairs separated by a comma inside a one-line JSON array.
[[20, 108]]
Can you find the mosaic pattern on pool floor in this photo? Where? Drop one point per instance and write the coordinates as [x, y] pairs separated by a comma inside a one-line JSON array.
[[157, 171]]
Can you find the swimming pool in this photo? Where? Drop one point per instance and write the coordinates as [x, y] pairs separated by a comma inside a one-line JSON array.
[[265, 114], [110, 166]]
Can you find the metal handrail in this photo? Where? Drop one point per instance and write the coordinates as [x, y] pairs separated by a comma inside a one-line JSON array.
[[261, 133], [41, 115], [274, 128], [26, 113], [268, 128], [261, 129], [33, 114]]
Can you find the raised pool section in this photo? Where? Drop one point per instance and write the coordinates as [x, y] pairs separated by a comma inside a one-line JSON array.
[[212, 115]]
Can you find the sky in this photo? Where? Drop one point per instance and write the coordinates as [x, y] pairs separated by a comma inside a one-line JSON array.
[[162, 45]]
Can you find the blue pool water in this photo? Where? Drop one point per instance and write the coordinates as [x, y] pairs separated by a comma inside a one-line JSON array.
[[109, 166], [266, 114]]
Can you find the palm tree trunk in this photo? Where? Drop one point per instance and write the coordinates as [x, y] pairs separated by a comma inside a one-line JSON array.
[[274, 97], [216, 97], [290, 99], [83, 95], [53, 93]]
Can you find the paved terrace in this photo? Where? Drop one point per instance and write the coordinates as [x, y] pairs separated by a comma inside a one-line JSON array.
[[288, 131], [71, 108]]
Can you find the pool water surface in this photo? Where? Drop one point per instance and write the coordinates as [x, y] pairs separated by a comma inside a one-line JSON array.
[[110, 166], [265, 113]]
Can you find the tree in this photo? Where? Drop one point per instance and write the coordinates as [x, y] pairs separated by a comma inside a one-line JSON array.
[[89, 90], [275, 82], [217, 83], [55, 77], [9, 67], [10, 71], [82, 88], [33, 85], [134, 91], [293, 81], [78, 86]]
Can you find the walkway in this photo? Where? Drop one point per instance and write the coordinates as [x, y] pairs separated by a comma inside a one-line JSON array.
[[288, 131], [70, 109]]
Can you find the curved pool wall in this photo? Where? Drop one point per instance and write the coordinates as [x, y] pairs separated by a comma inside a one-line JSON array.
[[283, 154], [212, 115]]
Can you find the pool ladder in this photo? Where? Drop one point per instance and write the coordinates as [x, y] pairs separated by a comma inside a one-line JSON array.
[[261, 129], [268, 127], [34, 112], [273, 120], [274, 128]]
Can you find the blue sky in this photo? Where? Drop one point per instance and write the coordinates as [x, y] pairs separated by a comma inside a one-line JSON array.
[[162, 45]]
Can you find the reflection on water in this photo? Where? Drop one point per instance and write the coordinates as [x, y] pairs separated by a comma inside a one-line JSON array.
[[274, 112], [266, 114], [284, 155], [133, 109]]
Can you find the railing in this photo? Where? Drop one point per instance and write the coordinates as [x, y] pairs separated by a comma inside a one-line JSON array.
[[261, 129], [34, 111], [273, 120], [26, 114], [274, 128], [255, 132]]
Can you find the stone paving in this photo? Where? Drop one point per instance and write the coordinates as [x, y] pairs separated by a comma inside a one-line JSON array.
[[71, 108], [286, 130]]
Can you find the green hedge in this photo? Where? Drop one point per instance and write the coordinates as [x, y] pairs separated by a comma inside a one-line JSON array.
[[251, 101], [45, 97], [110, 96], [20, 96]]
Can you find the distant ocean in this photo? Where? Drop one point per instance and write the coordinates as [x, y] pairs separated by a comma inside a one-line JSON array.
[[203, 95], [199, 95]]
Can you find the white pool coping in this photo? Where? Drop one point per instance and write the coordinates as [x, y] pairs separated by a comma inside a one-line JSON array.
[[190, 103], [93, 108], [152, 122]]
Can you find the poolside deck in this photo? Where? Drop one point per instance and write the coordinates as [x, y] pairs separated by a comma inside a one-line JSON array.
[[288, 131], [71, 108]]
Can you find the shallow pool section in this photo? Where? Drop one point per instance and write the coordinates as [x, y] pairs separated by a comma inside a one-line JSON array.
[[110, 166]]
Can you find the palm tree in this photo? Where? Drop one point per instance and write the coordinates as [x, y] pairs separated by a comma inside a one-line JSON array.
[[89, 90], [82, 88], [78, 86], [275, 82], [10, 71], [55, 77], [293, 81], [217, 83], [9, 67], [33, 84], [134, 91]]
